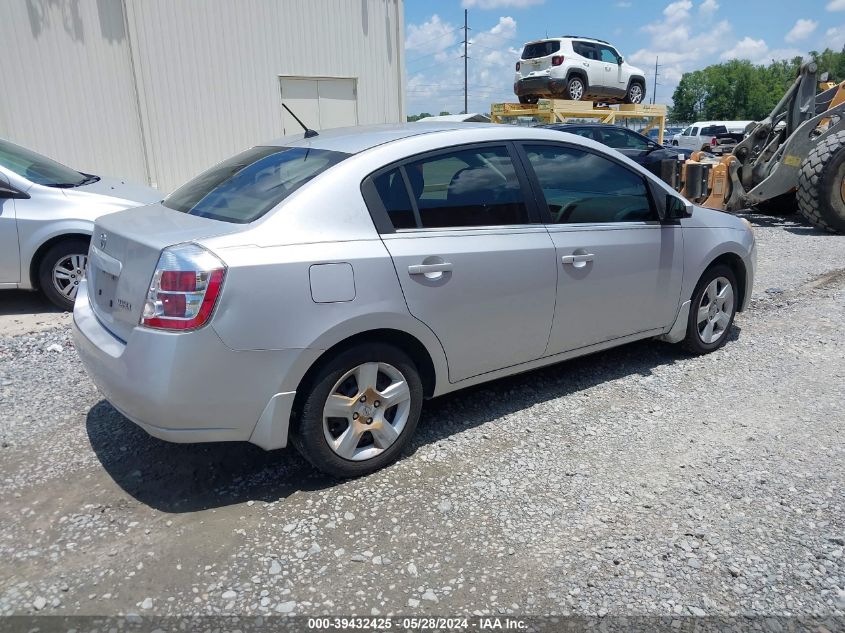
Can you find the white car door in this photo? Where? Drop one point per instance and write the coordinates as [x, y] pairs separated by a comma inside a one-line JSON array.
[[690, 141], [10, 265], [591, 63], [615, 71]]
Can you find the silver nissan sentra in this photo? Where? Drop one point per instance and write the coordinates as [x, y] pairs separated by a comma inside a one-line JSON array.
[[317, 290]]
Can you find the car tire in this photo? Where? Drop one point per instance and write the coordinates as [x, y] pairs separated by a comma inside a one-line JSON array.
[[528, 99], [821, 185], [635, 94], [712, 310], [61, 270], [576, 90], [375, 433]]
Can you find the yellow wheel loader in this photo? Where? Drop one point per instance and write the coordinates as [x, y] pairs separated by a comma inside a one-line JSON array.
[[798, 150]]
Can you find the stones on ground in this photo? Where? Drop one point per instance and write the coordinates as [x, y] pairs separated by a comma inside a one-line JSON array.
[[147, 604], [286, 607], [275, 568], [229, 595], [39, 603]]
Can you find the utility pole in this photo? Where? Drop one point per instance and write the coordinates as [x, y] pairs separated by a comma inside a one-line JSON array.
[[654, 92], [466, 41]]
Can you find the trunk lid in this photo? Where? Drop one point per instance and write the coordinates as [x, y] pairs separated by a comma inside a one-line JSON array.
[[536, 58], [125, 248]]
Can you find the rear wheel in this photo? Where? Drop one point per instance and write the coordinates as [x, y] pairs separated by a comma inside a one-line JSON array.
[[712, 310], [575, 89], [529, 99], [361, 410], [636, 93], [61, 271], [821, 185]]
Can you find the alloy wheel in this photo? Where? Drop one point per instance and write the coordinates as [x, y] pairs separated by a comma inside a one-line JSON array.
[[576, 90], [67, 273], [715, 310], [366, 411], [636, 95]]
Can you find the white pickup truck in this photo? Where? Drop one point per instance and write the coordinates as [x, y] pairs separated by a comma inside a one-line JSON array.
[[708, 135]]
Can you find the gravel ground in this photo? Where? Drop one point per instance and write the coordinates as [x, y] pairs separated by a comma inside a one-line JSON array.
[[636, 481]]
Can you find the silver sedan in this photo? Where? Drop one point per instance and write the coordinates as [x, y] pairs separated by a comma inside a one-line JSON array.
[[317, 290], [47, 213]]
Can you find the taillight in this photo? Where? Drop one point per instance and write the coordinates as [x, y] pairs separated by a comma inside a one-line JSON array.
[[714, 142], [557, 60], [184, 288], [517, 66]]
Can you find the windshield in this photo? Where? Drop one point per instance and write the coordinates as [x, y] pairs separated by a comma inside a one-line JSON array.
[[37, 168], [248, 185]]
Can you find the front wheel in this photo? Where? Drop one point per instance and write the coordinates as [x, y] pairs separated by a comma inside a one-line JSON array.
[[636, 94], [61, 271], [712, 310], [360, 411]]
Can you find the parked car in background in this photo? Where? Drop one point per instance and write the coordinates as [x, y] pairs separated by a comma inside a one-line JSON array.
[[576, 68], [707, 136], [643, 150], [47, 213], [250, 305]]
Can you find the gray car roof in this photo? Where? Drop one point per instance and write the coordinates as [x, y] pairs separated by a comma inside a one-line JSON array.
[[352, 140]]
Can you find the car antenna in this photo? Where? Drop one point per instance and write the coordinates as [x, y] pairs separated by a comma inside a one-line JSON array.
[[308, 131]]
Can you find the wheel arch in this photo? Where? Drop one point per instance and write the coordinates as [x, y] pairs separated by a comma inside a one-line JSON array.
[[735, 263], [38, 255], [404, 341], [582, 75], [636, 79]]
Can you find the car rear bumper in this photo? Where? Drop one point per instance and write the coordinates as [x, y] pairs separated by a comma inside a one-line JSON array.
[[539, 86], [187, 387]]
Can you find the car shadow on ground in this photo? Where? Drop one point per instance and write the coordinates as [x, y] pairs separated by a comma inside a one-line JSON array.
[[14, 302], [189, 477], [790, 222]]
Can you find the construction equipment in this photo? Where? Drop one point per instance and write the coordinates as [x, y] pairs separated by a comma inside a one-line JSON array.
[[798, 149]]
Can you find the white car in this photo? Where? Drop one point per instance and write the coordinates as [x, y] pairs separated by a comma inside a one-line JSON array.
[[47, 213], [576, 68]]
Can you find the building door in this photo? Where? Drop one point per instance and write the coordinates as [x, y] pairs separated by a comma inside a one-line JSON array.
[[321, 103]]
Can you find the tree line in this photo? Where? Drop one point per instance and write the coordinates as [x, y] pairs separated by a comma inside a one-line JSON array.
[[739, 90]]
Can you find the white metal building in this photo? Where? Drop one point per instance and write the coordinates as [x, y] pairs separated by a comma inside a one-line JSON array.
[[156, 91]]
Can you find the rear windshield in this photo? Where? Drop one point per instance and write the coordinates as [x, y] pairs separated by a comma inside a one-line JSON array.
[[248, 185], [714, 129], [540, 49]]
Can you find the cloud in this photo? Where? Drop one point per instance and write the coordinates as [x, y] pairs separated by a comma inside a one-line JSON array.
[[802, 30], [836, 5], [834, 37], [499, 4], [708, 7], [677, 11], [758, 52], [434, 85], [431, 36], [623, 4]]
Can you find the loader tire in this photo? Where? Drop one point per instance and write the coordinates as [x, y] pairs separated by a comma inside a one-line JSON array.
[[821, 185]]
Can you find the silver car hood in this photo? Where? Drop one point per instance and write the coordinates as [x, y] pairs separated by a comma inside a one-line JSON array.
[[120, 190]]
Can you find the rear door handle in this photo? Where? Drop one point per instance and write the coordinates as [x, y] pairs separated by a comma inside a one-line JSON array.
[[422, 269], [576, 259]]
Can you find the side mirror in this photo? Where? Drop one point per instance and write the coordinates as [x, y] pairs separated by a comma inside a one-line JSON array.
[[677, 208], [7, 192], [620, 60]]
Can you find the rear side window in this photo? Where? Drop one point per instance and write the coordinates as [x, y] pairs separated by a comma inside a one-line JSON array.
[[581, 187], [540, 49], [248, 185], [474, 187], [394, 195], [585, 49], [622, 139]]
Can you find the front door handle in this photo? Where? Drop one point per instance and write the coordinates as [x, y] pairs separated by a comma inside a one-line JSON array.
[[577, 259], [422, 269]]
